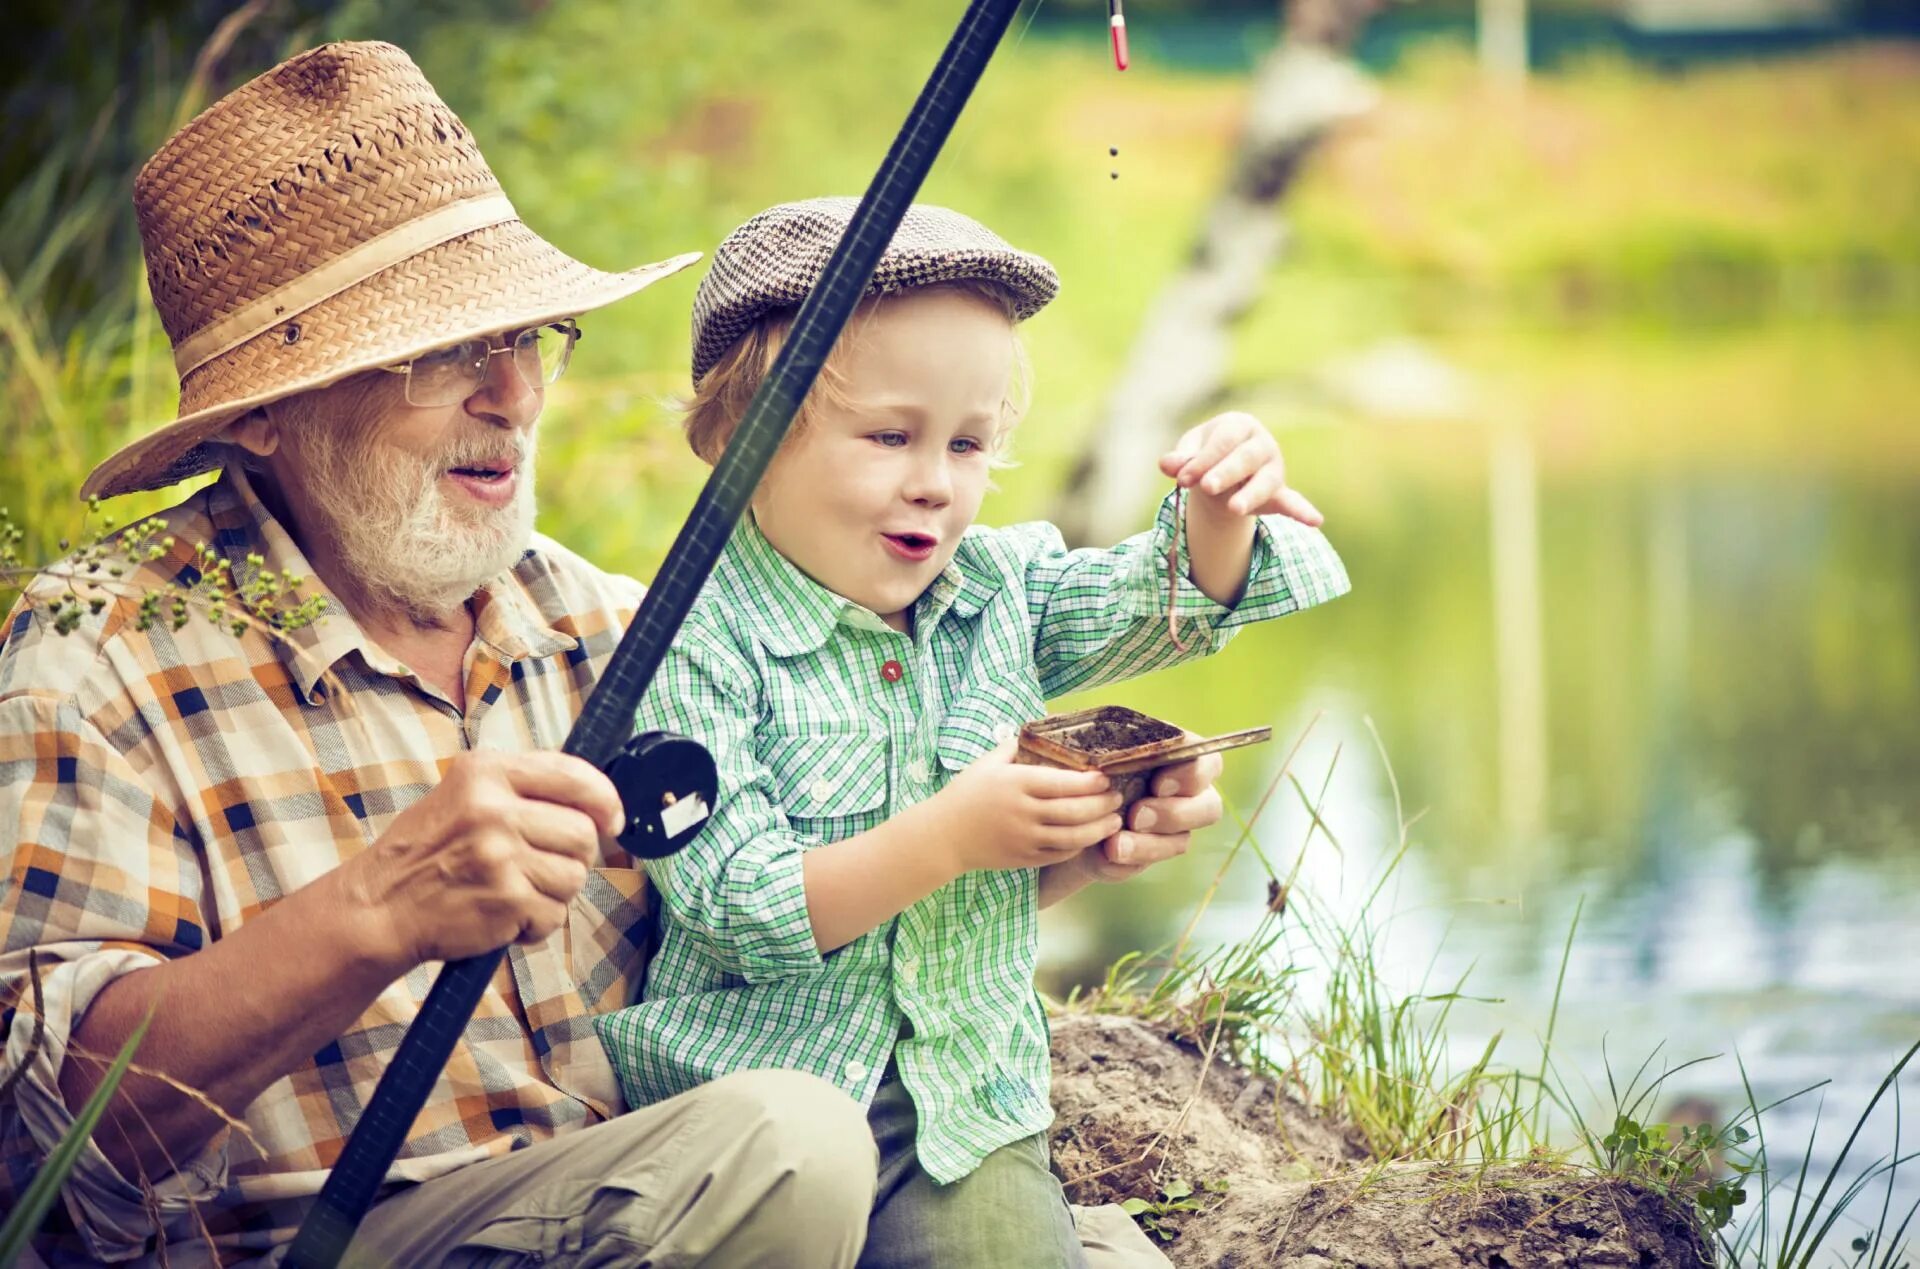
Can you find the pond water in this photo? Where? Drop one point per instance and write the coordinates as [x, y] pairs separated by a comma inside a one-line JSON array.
[[1649, 646]]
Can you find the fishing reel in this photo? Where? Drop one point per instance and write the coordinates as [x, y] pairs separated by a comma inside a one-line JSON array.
[[668, 785]]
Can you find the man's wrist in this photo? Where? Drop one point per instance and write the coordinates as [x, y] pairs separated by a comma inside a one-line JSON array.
[[1070, 875], [372, 943]]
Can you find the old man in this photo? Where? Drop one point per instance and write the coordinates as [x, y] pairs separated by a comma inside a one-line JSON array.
[[265, 842]]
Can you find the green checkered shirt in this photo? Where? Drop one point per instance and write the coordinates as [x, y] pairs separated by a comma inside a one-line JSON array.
[[783, 681]]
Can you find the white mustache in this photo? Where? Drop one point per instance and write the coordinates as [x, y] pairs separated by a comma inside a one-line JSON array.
[[484, 449]]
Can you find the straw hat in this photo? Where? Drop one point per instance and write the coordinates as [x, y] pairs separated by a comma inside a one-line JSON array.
[[329, 217]]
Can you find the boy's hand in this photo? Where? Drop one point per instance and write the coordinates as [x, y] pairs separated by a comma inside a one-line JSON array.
[[1233, 466], [1002, 814]]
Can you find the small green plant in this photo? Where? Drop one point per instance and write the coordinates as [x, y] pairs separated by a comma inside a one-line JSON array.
[[1683, 1159], [1176, 1196]]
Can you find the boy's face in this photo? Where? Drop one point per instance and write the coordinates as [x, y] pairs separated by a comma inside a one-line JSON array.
[[870, 501]]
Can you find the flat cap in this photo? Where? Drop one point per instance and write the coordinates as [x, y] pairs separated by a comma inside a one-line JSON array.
[[775, 259]]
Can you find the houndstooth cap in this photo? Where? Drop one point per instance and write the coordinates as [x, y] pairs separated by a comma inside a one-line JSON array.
[[774, 260]]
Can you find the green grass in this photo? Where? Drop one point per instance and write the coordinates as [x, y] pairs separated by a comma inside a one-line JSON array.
[[1305, 999], [20, 1225]]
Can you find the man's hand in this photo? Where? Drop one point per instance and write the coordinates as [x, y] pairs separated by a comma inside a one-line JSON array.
[[1159, 827], [490, 857]]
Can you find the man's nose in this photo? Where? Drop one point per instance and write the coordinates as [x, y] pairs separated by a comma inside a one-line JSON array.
[[505, 397]]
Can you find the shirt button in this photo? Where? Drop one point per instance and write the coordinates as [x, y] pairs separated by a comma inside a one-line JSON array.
[[856, 1070], [821, 790], [1003, 733], [909, 971], [891, 671], [917, 770]]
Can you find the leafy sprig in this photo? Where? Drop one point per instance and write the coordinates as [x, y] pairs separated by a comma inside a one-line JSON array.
[[99, 568]]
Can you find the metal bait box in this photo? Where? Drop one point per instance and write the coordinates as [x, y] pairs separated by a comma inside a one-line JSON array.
[[1127, 745]]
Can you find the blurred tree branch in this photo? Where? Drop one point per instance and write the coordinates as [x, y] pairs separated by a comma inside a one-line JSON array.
[[1304, 89]]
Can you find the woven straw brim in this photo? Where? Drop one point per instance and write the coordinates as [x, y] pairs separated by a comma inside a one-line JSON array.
[[491, 280]]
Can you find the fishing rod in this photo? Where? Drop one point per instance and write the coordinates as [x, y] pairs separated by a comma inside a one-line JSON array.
[[654, 771]]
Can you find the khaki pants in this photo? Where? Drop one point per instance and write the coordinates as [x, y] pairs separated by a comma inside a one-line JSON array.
[[762, 1168]]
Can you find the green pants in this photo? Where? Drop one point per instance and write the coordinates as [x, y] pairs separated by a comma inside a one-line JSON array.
[[1008, 1212]]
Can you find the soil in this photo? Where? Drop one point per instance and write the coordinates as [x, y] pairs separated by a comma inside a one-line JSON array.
[[1111, 735], [1281, 1186]]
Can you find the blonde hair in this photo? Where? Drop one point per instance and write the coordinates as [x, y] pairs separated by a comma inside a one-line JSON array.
[[720, 399]]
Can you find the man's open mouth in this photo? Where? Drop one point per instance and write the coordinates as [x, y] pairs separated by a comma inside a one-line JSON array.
[[486, 471]]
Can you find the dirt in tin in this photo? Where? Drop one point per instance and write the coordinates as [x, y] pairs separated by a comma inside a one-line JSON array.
[[1111, 735], [1281, 1186]]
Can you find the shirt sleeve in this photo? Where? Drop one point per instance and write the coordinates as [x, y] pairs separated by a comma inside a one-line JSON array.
[[98, 884], [1099, 616], [737, 890]]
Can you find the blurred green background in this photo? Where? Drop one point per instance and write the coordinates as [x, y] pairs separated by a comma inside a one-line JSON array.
[[1607, 386]]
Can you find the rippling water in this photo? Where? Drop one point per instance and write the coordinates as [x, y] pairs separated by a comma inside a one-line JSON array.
[[1670, 671]]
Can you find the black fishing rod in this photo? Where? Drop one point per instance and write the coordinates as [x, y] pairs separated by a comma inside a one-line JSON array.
[[656, 772]]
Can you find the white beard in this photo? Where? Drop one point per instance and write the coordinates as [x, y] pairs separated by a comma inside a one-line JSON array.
[[397, 535]]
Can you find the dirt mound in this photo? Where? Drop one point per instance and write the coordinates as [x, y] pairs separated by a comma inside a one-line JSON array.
[[1125, 1112], [1276, 1185]]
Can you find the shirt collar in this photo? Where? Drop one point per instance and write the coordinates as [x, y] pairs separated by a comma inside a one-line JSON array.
[[966, 584], [790, 614], [506, 620]]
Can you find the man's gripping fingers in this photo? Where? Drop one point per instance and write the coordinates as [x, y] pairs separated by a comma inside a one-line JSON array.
[[574, 782], [551, 828], [1184, 779]]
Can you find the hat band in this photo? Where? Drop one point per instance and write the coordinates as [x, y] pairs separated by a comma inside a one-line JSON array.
[[336, 275]]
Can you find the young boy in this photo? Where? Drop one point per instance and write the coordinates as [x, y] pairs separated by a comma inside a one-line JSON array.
[[863, 904]]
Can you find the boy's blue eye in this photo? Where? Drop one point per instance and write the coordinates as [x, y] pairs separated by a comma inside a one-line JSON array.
[[965, 445], [892, 440]]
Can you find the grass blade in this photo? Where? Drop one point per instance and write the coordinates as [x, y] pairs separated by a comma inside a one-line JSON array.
[[45, 1186]]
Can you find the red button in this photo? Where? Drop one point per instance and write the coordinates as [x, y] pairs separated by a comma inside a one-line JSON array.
[[891, 671]]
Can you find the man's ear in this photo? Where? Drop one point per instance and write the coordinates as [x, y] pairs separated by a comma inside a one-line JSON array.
[[255, 431]]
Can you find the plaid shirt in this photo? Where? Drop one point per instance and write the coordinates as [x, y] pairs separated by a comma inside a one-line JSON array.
[[825, 723], [161, 788]]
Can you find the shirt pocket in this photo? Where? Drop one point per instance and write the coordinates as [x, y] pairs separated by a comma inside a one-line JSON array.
[[984, 713], [830, 785], [609, 935]]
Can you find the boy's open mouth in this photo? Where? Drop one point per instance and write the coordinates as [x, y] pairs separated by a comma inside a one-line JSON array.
[[911, 546]]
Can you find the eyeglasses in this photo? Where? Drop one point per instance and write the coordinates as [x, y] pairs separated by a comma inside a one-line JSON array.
[[449, 375]]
